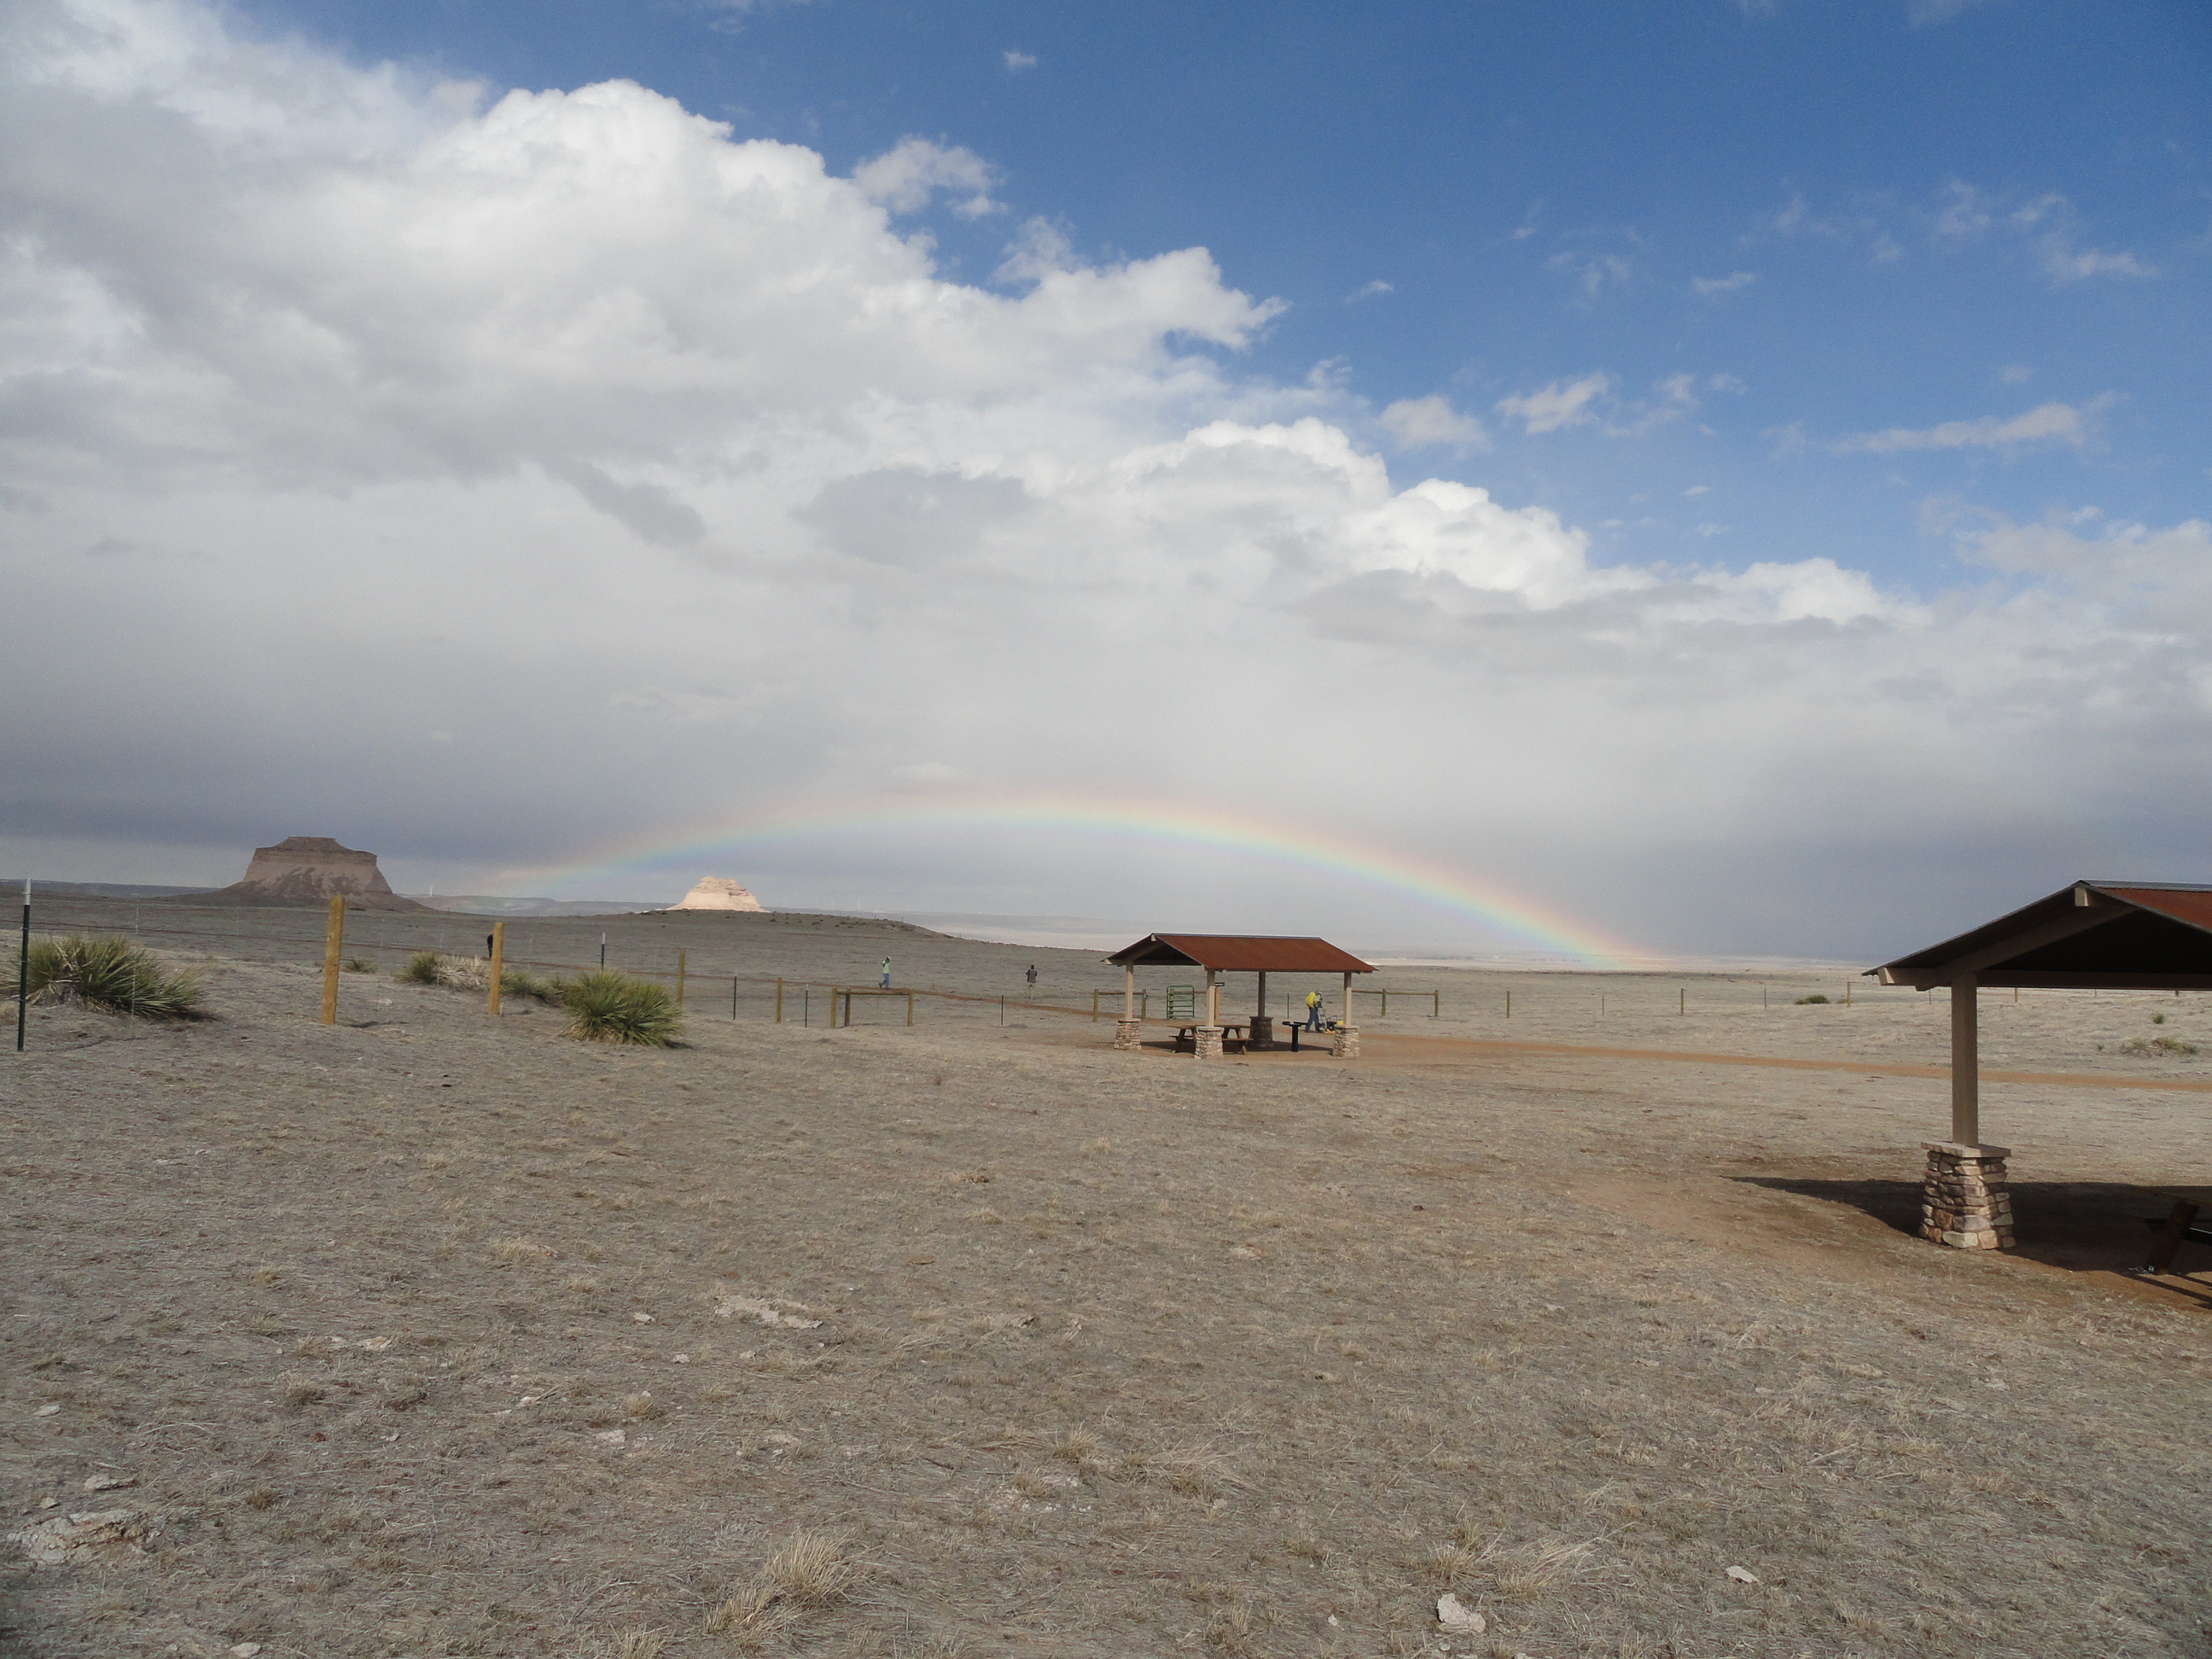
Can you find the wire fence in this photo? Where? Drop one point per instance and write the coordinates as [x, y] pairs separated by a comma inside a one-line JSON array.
[[385, 940]]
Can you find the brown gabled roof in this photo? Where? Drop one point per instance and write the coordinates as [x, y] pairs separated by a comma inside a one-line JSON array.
[[2145, 935], [1240, 953]]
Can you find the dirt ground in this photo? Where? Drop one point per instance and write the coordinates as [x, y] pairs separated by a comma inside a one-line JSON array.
[[428, 1333]]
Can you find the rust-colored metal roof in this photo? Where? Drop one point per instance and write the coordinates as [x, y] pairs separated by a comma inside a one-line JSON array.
[[2146, 935], [2191, 904], [1240, 953]]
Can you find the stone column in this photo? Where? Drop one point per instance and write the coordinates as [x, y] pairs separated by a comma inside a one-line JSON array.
[[1966, 1201], [1261, 1032], [1346, 1044], [1126, 1033], [1208, 1042]]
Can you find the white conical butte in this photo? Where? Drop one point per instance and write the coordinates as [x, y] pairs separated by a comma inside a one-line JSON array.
[[717, 893]]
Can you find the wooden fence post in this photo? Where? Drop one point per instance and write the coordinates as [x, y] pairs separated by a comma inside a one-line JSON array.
[[679, 979], [333, 942], [909, 1007], [779, 1001], [498, 966]]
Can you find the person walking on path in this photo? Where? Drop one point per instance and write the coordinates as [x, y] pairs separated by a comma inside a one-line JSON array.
[[1313, 1010], [886, 980], [1031, 977]]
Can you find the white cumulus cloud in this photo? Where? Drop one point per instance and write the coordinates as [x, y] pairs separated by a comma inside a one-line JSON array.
[[906, 176], [1419, 423]]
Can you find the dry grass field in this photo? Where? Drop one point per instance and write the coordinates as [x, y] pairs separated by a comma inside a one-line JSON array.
[[430, 1334]]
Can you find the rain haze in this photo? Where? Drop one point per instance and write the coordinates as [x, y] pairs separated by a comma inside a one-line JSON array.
[[1711, 477]]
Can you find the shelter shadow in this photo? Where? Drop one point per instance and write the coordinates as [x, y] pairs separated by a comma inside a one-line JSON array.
[[2081, 1226]]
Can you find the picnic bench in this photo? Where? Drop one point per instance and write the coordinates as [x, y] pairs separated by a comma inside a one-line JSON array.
[[2180, 1224], [1238, 1033], [1187, 1036]]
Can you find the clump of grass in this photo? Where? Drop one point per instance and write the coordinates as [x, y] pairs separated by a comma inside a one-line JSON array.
[[1198, 1470], [359, 965], [815, 1570], [606, 1006], [2158, 1045], [1815, 997], [420, 968], [474, 974], [518, 982], [1542, 1567], [108, 973]]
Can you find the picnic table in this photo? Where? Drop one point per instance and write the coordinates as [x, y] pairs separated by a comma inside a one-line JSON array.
[[2180, 1224], [1237, 1032], [1187, 1036]]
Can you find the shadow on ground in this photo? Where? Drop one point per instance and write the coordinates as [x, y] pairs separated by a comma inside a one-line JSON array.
[[2079, 1226]]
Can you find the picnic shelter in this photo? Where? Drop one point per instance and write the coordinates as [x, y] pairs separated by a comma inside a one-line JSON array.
[[1217, 954], [2091, 936]]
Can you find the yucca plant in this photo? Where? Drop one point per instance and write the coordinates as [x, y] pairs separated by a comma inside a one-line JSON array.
[[606, 1006], [108, 973]]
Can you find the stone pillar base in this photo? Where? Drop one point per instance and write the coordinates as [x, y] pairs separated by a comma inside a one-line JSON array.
[[1966, 1201], [1346, 1044], [1126, 1033], [1261, 1033], [1208, 1042]]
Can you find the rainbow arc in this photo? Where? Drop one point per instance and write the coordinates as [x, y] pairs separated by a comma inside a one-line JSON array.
[[1524, 919]]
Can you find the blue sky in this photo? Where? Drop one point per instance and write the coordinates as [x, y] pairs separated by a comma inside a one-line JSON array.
[[1543, 188], [1735, 474]]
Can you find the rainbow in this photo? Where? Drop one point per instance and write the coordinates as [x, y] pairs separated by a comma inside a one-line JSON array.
[[1148, 823]]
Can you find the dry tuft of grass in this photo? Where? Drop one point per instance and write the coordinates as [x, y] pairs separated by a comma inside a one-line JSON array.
[[1540, 1568], [1196, 1469], [815, 1570], [639, 1644], [1446, 1564], [521, 1249], [1076, 1446]]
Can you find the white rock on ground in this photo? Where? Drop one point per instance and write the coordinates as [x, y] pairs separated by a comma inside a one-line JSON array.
[[1457, 1619], [78, 1537]]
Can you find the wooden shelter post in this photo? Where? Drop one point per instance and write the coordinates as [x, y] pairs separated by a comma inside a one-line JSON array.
[[1965, 1061], [1129, 993], [1262, 1008]]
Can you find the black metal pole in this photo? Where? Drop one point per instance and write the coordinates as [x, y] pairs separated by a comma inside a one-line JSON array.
[[23, 973]]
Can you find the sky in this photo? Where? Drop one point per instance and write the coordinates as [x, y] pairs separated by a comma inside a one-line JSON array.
[[1720, 477]]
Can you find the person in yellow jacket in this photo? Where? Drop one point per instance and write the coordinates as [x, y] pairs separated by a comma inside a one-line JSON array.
[[1313, 1010]]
